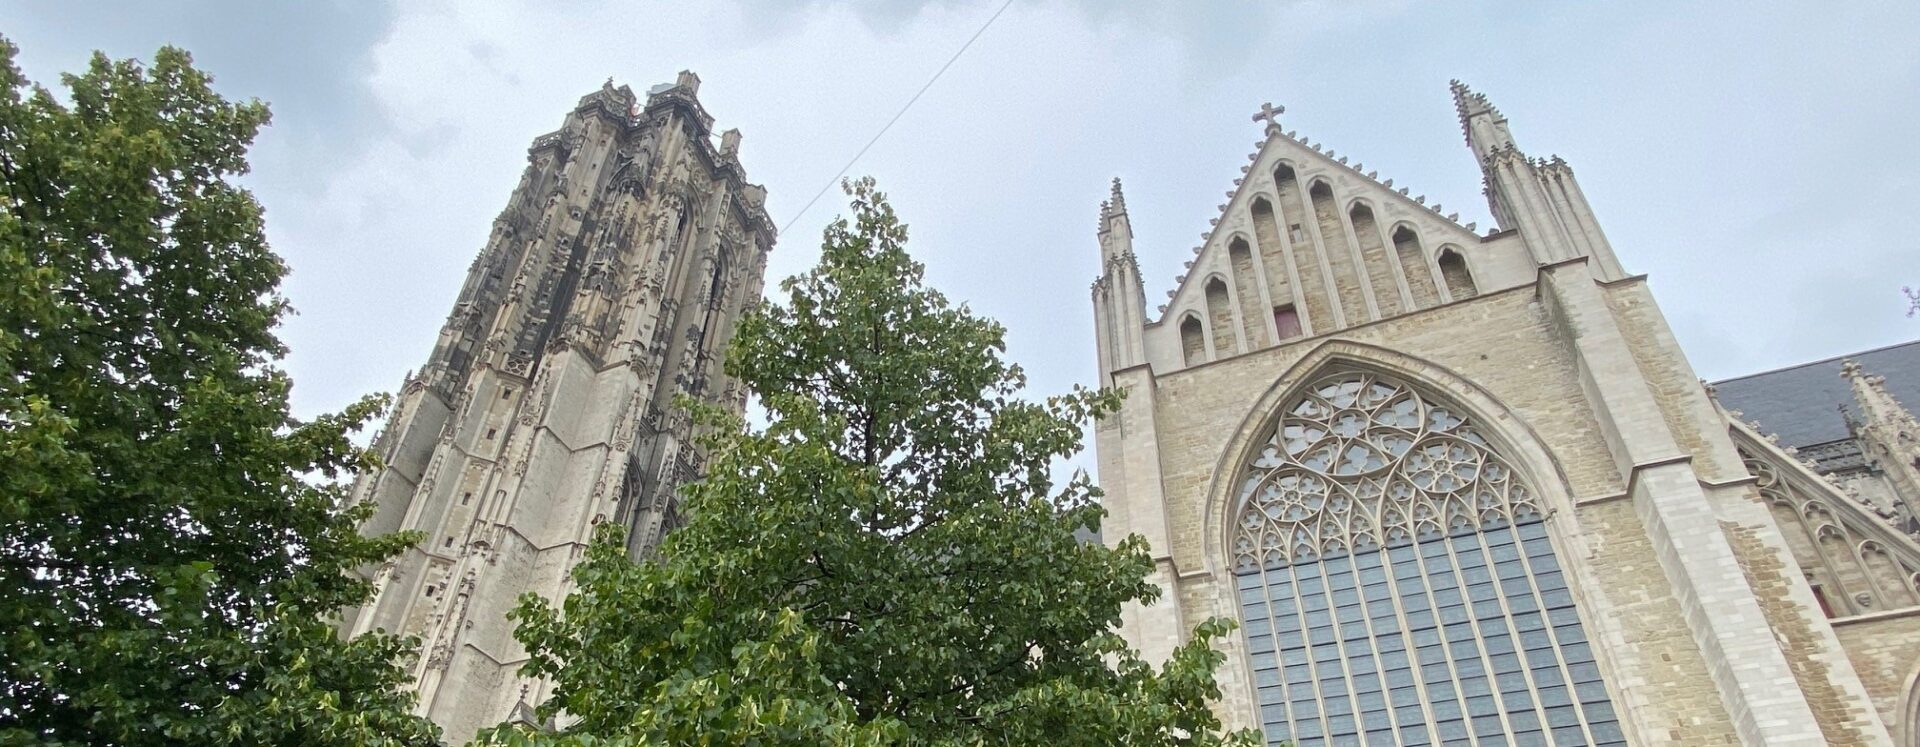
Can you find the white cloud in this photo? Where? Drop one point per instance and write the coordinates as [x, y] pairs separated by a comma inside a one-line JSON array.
[[1741, 159]]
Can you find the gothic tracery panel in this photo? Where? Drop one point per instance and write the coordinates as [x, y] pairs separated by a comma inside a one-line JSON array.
[[1359, 461], [1849, 559], [1397, 583]]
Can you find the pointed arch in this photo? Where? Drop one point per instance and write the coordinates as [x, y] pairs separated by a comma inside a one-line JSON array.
[[1296, 230], [1348, 279], [1373, 254], [1193, 339], [1855, 561], [1377, 518], [1453, 269], [1414, 267], [1523, 448], [1247, 290], [1343, 275], [1278, 262], [1220, 316]]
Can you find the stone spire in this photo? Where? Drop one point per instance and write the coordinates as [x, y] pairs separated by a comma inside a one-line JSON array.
[[1888, 433], [1878, 408], [1119, 297], [1483, 125], [1116, 231], [1537, 197]]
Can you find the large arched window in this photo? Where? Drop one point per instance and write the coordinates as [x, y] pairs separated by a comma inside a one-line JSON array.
[[1397, 584]]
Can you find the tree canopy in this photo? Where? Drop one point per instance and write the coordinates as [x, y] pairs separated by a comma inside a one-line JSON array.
[[888, 560], [165, 570]]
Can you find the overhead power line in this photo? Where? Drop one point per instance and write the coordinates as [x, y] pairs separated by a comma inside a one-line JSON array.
[[896, 116]]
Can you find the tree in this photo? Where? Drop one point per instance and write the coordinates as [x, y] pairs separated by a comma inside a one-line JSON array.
[[887, 561], [165, 570]]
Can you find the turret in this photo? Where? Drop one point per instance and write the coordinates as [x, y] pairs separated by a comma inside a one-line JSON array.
[[1538, 198], [1119, 300]]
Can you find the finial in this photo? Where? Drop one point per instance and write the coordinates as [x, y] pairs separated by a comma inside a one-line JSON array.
[[1119, 201], [1270, 114], [1469, 104]]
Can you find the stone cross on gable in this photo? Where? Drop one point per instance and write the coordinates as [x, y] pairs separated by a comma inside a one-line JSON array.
[[1269, 113]]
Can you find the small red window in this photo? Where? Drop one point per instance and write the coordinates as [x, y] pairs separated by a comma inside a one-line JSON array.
[[1286, 321]]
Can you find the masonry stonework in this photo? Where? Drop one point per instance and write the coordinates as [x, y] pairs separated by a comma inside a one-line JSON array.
[[1705, 618], [609, 287]]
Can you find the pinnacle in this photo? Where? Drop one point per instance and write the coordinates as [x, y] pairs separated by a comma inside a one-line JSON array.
[[1469, 104], [1870, 392], [1119, 201]]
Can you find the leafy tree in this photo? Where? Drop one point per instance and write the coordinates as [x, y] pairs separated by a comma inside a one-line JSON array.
[[887, 561], [165, 570]]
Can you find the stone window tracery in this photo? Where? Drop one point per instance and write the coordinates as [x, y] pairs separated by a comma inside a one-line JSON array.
[[1359, 461], [1397, 583]]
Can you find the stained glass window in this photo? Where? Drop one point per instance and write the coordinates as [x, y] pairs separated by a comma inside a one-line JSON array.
[[1398, 586]]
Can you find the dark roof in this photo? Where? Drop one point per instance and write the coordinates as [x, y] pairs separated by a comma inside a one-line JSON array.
[[1801, 403]]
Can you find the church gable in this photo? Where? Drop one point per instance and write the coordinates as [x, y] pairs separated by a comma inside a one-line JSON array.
[[1308, 243]]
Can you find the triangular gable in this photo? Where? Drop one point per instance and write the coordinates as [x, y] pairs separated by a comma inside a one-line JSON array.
[[1310, 161]]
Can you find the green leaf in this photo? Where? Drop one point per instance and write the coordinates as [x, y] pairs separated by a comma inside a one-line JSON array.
[[167, 572], [887, 561]]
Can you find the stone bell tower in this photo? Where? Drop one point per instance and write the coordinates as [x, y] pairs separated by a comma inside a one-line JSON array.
[[610, 285]]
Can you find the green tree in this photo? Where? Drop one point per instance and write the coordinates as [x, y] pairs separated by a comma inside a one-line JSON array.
[[888, 561], [165, 571]]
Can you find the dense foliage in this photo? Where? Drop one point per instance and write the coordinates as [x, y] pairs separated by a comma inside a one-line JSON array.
[[887, 561], [165, 571]]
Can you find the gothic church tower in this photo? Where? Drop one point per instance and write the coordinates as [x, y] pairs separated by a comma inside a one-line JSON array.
[[1465, 488], [609, 286]]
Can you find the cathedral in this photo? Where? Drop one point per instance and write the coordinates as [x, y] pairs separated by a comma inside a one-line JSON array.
[[1457, 487], [609, 287], [1464, 488]]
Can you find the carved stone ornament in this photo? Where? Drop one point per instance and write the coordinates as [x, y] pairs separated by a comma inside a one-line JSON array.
[[1360, 460]]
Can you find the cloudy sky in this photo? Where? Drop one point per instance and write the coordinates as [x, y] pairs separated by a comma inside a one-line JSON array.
[[1759, 165]]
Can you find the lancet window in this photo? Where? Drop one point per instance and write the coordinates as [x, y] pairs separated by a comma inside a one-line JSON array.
[[1397, 583]]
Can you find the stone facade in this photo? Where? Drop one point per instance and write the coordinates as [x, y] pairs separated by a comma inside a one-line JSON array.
[[1702, 559], [610, 286]]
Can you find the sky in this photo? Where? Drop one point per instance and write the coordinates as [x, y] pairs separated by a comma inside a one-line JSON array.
[[1756, 161]]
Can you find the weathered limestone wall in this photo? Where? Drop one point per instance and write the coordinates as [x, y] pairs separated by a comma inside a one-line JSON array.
[[1820, 666], [1505, 344], [608, 287], [1509, 347], [1885, 650], [1706, 629]]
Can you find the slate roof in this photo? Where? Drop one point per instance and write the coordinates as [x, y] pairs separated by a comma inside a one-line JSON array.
[[1801, 403]]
